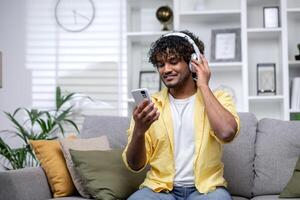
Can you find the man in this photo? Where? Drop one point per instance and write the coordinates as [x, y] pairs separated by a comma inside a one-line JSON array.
[[181, 131]]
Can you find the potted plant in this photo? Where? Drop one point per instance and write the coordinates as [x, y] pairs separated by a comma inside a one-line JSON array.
[[39, 125]]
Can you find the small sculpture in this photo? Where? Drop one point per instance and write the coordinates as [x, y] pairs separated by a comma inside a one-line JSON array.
[[164, 14], [297, 57]]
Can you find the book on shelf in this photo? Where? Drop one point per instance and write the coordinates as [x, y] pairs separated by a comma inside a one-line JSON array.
[[295, 116], [295, 96]]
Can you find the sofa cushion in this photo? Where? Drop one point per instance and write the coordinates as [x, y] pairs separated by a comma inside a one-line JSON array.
[[238, 157], [104, 174], [292, 189], [97, 143], [277, 151], [49, 153], [112, 126], [239, 198], [26, 184], [70, 198], [271, 197]]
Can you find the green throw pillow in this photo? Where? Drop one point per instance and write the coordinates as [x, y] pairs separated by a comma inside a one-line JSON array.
[[292, 189], [104, 174]]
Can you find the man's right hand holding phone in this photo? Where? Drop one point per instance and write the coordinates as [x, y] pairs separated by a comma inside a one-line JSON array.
[[144, 115]]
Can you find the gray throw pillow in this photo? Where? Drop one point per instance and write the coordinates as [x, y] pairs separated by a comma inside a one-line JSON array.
[[104, 174], [276, 153]]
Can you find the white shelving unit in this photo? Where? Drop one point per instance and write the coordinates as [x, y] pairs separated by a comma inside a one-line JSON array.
[[258, 45], [292, 34]]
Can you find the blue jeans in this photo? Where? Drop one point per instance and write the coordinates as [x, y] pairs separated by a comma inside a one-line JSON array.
[[180, 193]]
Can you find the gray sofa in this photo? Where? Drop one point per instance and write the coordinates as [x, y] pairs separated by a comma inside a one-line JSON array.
[[258, 163]]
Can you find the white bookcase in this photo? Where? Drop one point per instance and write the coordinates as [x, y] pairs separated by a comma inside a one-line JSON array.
[[258, 45]]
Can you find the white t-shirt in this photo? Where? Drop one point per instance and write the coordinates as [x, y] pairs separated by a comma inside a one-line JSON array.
[[184, 139]]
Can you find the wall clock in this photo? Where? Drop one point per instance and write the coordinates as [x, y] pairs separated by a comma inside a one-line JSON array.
[[74, 15]]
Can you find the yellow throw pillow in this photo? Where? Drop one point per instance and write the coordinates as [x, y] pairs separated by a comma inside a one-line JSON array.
[[50, 155]]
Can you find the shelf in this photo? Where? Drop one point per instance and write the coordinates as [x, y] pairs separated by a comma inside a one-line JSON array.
[[293, 14], [211, 15], [148, 33], [144, 36], [226, 66], [294, 111], [148, 4], [293, 10], [294, 64], [276, 98], [264, 3], [261, 33], [258, 45]]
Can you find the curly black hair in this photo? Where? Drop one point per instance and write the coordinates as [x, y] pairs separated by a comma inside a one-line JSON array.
[[174, 46]]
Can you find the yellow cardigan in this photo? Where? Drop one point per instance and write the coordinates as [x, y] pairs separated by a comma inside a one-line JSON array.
[[208, 168]]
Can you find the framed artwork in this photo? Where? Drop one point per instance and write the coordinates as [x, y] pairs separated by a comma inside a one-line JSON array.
[[226, 45], [150, 80], [271, 17], [266, 79], [0, 69]]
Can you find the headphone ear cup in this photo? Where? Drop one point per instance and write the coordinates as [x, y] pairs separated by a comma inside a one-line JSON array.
[[193, 56], [191, 67]]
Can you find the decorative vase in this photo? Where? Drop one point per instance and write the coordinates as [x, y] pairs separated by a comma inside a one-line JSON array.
[[164, 14]]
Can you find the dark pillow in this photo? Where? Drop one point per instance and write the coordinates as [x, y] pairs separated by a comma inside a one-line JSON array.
[[292, 189], [104, 174]]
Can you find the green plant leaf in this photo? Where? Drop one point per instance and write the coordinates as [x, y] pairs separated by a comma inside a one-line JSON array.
[[58, 98], [16, 157], [61, 129], [16, 111], [73, 124], [33, 115], [22, 132], [64, 114]]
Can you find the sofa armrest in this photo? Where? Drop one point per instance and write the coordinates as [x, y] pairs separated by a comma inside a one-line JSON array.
[[24, 184]]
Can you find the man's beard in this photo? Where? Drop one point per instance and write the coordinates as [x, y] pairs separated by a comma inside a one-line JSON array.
[[182, 80]]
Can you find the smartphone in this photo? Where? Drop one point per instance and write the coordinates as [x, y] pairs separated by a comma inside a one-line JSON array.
[[140, 95]]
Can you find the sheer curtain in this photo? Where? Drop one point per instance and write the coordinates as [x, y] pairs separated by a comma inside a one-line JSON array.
[[91, 62]]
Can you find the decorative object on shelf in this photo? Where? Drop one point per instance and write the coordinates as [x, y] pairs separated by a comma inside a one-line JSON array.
[[74, 16], [0, 69], [295, 116], [150, 80], [271, 17], [164, 14], [266, 79], [297, 57], [226, 45]]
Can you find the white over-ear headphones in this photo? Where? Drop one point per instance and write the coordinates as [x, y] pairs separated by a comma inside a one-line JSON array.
[[195, 55]]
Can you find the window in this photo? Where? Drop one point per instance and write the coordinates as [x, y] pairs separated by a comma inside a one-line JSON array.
[[91, 62]]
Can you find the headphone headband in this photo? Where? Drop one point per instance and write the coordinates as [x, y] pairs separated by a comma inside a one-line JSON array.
[[188, 38]]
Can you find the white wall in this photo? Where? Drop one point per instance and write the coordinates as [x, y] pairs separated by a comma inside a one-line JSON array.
[[16, 90]]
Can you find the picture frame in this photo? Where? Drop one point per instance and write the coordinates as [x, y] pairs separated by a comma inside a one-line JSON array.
[[149, 80], [271, 17], [226, 45], [266, 79]]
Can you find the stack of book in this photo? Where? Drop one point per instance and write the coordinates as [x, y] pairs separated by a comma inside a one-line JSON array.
[[295, 96]]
